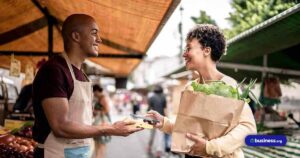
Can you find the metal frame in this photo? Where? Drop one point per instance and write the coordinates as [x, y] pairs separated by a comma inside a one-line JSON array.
[[259, 69], [247, 68]]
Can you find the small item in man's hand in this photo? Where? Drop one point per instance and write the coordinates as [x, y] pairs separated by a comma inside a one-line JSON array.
[[139, 123], [145, 119]]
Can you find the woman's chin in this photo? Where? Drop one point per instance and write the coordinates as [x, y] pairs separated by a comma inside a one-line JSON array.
[[188, 66]]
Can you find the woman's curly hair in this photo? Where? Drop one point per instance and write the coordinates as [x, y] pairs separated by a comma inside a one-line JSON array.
[[209, 36]]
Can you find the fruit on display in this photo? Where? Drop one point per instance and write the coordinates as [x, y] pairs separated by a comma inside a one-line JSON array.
[[16, 147], [24, 131]]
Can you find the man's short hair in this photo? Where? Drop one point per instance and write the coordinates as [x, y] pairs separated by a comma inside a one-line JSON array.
[[73, 23], [209, 36]]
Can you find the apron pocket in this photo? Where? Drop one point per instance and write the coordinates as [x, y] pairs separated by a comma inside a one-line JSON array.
[[77, 152]]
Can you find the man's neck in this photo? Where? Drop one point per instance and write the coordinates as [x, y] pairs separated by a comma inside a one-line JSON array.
[[76, 59]]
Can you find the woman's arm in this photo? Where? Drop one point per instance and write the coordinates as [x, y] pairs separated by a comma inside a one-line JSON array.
[[164, 124], [167, 126]]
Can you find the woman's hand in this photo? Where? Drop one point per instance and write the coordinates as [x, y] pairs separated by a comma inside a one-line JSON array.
[[199, 148], [155, 115]]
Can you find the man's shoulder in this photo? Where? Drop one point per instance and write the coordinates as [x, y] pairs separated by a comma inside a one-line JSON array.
[[55, 67], [55, 64]]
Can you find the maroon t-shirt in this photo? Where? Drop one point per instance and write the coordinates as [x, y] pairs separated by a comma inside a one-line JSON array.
[[52, 80]]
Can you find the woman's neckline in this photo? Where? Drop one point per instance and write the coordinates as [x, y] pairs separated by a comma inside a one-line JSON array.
[[198, 79]]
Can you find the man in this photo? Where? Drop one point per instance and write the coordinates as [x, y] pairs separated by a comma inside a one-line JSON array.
[[62, 96]]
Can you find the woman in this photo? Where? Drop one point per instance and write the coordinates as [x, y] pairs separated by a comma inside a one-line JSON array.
[[205, 46], [101, 114]]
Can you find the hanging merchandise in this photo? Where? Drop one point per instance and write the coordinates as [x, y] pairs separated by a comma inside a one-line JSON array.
[[29, 73], [15, 67], [272, 88], [270, 91]]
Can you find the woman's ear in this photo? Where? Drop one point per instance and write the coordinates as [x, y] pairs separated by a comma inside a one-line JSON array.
[[75, 36], [207, 51]]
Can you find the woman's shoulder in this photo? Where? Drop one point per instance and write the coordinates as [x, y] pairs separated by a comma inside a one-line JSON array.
[[229, 80]]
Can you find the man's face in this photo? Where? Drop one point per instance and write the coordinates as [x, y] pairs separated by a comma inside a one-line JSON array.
[[90, 39]]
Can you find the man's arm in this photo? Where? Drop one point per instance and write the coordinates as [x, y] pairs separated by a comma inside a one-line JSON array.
[[56, 110]]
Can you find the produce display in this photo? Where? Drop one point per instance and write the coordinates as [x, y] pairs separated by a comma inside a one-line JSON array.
[[17, 143], [16, 147], [24, 131]]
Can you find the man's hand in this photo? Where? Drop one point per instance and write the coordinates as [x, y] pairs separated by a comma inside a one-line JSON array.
[[123, 128], [199, 148], [155, 115]]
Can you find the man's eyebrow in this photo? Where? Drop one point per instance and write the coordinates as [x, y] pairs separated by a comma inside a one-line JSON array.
[[95, 30]]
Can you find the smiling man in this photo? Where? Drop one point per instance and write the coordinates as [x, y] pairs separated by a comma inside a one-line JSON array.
[[62, 96]]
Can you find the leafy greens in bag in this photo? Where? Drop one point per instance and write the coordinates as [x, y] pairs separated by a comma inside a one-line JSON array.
[[220, 88]]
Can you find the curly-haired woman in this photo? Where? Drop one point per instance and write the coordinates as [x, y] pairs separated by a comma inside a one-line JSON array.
[[205, 46]]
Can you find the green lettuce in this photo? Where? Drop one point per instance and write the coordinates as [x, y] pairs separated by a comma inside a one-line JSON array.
[[220, 88]]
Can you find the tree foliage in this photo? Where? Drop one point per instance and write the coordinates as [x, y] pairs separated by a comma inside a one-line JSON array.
[[248, 13], [203, 18]]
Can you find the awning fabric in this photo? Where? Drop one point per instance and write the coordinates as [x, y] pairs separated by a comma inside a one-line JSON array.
[[126, 27]]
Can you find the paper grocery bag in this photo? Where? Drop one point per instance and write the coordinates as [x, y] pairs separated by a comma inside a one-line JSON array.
[[209, 116]]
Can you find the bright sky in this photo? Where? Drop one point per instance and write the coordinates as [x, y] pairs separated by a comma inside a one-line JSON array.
[[168, 41]]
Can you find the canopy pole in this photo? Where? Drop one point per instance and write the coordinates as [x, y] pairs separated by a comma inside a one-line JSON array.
[[265, 65], [50, 36], [50, 21]]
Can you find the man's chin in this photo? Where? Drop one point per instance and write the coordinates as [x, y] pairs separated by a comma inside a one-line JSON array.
[[93, 54]]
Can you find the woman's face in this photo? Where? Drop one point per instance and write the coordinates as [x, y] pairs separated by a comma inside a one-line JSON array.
[[193, 55]]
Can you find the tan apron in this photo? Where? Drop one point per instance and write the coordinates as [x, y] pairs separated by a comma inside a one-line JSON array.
[[80, 110]]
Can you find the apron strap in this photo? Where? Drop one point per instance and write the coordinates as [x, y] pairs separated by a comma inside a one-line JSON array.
[[87, 78], [69, 65], [71, 68]]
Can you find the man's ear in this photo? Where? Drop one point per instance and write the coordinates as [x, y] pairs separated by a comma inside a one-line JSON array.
[[75, 36], [207, 51]]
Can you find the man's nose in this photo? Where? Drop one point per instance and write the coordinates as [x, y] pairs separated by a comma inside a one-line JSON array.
[[99, 40]]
